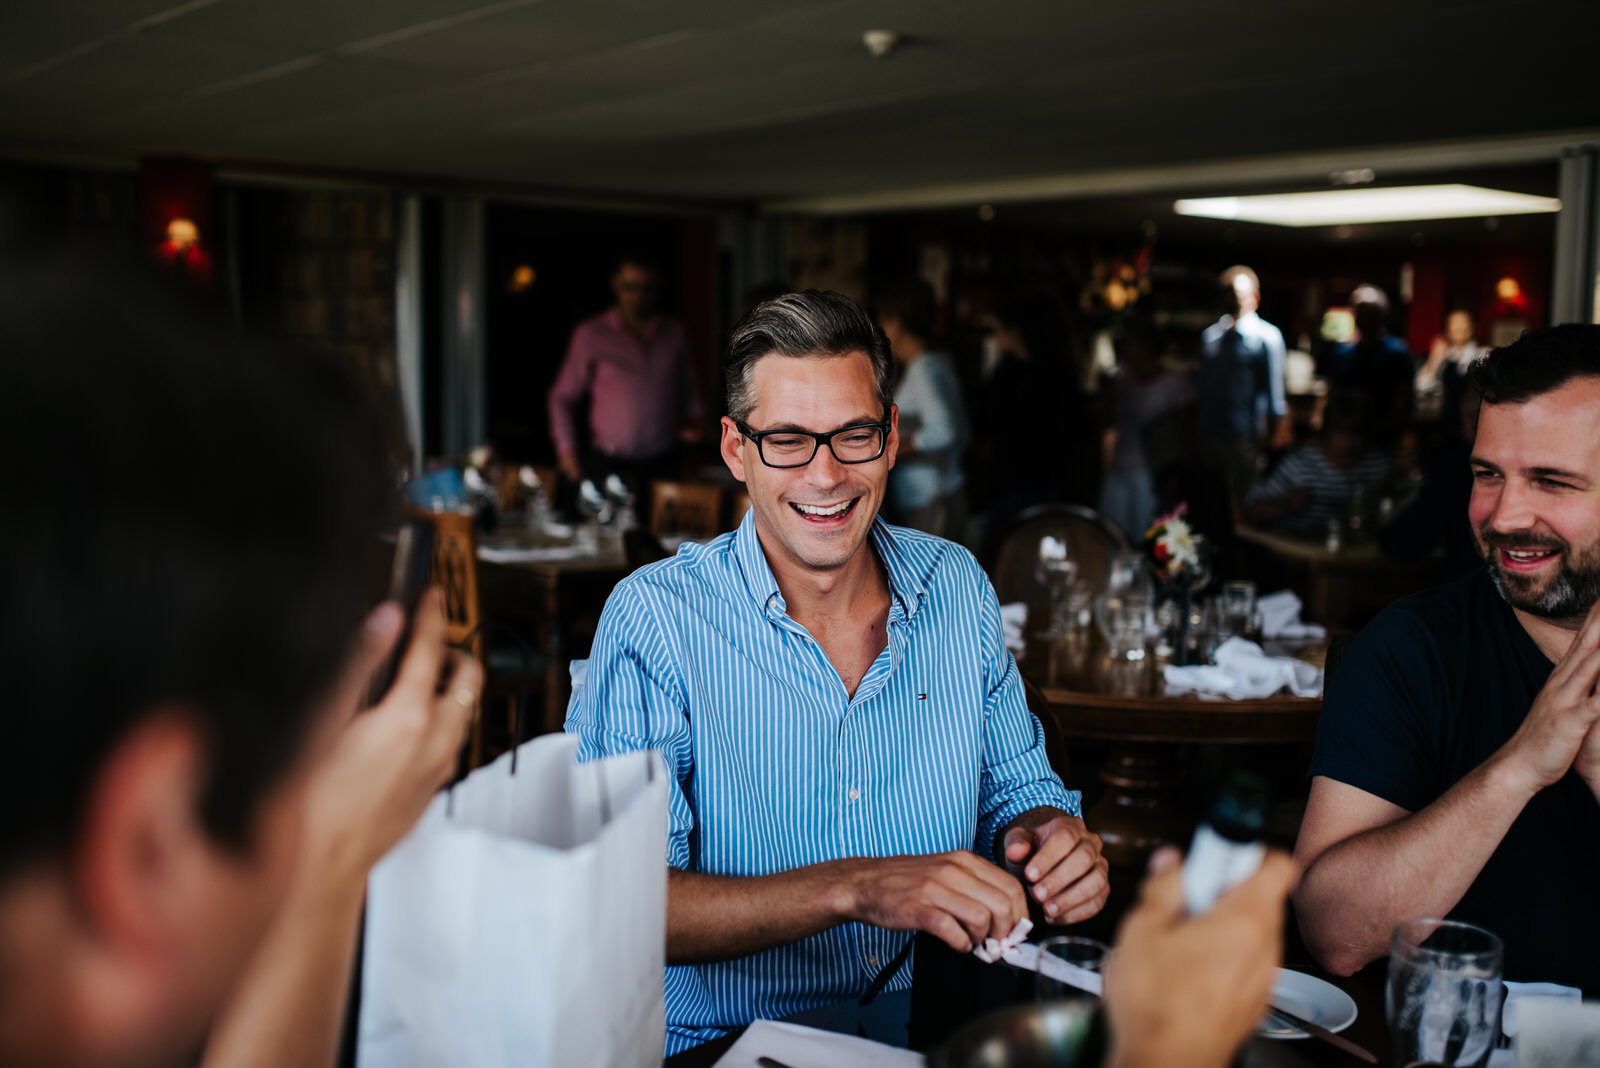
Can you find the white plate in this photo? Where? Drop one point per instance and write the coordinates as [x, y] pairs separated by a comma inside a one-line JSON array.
[[1311, 999]]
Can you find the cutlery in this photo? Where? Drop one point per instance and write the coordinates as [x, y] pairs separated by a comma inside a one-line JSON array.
[[1318, 1031]]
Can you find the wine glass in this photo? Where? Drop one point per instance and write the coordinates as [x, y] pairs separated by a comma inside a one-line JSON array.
[[1056, 571]]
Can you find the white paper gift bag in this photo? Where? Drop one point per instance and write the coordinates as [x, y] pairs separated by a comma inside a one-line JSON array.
[[524, 923]]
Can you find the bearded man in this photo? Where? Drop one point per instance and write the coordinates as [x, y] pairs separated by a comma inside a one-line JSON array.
[[1457, 766]]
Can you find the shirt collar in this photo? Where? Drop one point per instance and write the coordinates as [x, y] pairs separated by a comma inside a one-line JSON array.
[[614, 317], [909, 573]]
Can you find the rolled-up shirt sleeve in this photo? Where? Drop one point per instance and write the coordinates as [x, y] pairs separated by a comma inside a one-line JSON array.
[[632, 699], [1017, 775]]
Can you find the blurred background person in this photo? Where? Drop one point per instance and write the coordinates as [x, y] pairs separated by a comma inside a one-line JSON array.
[[1332, 478], [1378, 365], [1144, 393], [1436, 517], [927, 489], [1441, 380], [634, 368], [1243, 407], [1035, 416]]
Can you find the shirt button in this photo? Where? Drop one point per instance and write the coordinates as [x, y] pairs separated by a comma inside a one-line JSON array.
[[872, 962], [854, 794]]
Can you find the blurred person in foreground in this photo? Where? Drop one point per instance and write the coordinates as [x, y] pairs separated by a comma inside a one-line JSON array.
[[1243, 406], [195, 802], [1457, 764], [633, 367], [852, 753], [1335, 477], [1145, 394], [927, 489], [1182, 990]]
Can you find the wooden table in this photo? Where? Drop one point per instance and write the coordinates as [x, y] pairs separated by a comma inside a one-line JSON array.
[[552, 596], [1144, 804], [1344, 588]]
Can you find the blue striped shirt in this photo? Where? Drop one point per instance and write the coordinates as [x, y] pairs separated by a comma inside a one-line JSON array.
[[777, 767]]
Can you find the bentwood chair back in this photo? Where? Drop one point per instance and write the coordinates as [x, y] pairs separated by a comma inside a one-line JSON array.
[[455, 570], [510, 667], [692, 508], [1091, 540]]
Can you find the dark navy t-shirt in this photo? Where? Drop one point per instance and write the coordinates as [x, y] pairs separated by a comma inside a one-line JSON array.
[[1427, 692]]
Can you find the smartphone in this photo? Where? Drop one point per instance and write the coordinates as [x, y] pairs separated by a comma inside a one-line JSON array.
[[408, 578]]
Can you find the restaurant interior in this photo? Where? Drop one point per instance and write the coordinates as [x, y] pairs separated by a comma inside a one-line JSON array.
[[437, 193]]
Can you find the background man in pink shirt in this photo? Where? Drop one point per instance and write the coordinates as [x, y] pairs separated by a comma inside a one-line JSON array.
[[634, 367]]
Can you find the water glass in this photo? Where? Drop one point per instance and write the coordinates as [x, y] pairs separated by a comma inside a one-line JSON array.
[[1128, 577], [1444, 993], [1127, 628], [1236, 608], [1084, 952]]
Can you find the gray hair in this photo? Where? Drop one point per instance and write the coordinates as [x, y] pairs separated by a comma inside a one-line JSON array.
[[812, 323]]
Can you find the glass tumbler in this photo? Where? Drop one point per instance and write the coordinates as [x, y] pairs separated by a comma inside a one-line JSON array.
[[1444, 993], [1084, 952]]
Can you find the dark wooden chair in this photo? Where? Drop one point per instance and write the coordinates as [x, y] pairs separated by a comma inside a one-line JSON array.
[[738, 505], [692, 508], [512, 667]]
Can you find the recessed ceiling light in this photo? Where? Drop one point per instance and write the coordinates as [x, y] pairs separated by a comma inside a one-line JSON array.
[[1336, 207], [880, 42]]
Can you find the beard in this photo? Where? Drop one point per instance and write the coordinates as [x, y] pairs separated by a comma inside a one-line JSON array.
[[1564, 597]]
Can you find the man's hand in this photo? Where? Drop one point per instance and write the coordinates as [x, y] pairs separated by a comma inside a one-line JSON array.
[[1559, 727], [387, 762], [958, 897], [1282, 433], [1061, 861], [1190, 991], [568, 462]]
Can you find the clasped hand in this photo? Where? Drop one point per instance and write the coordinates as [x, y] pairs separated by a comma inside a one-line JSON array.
[[1560, 732]]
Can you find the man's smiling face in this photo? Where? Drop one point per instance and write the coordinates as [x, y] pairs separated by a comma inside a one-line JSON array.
[[1535, 508], [817, 516]]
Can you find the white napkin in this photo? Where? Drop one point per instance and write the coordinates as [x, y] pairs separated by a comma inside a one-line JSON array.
[[1013, 617], [1242, 670], [1560, 1031], [801, 1046], [993, 949], [1280, 618], [1521, 993]]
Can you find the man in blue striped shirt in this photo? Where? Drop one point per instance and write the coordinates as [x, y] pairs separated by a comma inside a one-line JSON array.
[[847, 732]]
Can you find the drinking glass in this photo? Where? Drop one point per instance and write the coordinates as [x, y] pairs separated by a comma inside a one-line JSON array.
[[1444, 993], [1056, 571], [1084, 952], [1128, 577], [1238, 606], [1127, 631]]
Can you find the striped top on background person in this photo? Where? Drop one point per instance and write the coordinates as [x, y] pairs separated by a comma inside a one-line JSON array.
[[777, 767], [1322, 489]]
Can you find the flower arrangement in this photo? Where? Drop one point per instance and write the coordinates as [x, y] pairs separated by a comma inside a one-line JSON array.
[[1176, 548]]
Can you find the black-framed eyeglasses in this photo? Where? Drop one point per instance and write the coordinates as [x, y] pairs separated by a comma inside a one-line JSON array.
[[858, 444]]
